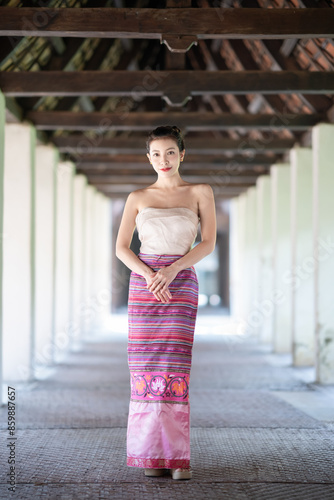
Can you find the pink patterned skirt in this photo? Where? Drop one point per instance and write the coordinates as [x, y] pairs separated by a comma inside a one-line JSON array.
[[159, 356]]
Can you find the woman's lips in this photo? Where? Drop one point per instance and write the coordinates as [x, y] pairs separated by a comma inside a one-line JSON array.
[[165, 169]]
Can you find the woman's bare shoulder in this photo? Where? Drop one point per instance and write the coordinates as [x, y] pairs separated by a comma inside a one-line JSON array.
[[202, 190], [138, 194]]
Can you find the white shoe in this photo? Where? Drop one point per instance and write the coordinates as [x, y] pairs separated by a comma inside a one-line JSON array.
[[181, 473]]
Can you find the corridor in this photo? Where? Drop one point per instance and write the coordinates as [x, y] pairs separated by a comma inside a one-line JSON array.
[[261, 429]]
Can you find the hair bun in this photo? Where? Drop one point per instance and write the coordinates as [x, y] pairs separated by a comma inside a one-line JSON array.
[[166, 131]]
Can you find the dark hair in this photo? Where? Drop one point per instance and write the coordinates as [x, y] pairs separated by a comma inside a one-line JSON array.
[[166, 131]]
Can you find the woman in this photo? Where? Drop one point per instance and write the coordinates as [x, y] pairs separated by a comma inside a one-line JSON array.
[[162, 306]]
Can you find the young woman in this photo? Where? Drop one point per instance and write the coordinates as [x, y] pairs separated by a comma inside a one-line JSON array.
[[162, 305]]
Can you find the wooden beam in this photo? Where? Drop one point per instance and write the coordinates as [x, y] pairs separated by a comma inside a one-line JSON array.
[[145, 121], [213, 179], [155, 23], [175, 86], [237, 163], [186, 173], [80, 145]]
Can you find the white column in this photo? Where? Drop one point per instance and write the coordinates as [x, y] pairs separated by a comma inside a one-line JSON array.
[[18, 252], [3, 389], [323, 243], [242, 243], [80, 184], [281, 234], [102, 261], [235, 271], [87, 309], [251, 275], [46, 166], [265, 257], [302, 276], [62, 326]]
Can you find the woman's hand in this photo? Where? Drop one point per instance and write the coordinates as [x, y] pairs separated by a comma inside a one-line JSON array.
[[161, 296], [158, 282]]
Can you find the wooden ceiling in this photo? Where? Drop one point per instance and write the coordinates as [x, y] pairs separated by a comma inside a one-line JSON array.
[[245, 81]]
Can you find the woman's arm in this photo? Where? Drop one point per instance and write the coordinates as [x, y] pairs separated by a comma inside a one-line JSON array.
[[123, 242], [165, 276], [124, 238]]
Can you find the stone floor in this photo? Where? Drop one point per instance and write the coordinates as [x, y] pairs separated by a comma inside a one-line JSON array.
[[261, 429]]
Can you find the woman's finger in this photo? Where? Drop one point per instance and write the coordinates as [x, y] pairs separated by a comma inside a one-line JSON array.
[[162, 297], [156, 287]]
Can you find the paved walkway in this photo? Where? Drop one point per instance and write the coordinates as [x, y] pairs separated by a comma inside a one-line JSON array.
[[260, 430]]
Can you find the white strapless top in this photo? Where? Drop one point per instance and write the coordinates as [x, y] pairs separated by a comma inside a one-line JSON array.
[[170, 231]]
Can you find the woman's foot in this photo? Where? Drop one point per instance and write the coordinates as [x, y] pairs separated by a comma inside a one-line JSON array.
[[154, 472], [181, 473]]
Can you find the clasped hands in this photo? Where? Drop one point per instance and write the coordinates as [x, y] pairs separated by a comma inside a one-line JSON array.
[[158, 282]]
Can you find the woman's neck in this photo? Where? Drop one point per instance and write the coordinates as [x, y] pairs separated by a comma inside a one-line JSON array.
[[169, 182]]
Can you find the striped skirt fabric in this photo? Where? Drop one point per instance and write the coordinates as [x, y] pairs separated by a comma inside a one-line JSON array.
[[159, 355]]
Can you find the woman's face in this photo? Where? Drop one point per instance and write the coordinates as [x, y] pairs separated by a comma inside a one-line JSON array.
[[165, 156]]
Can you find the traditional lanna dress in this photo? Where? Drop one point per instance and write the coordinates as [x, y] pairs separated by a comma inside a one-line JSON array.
[[160, 344]]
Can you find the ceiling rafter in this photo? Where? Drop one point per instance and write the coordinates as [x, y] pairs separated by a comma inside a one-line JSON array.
[[156, 23], [77, 144], [149, 179], [245, 113], [191, 121], [160, 83], [192, 161]]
